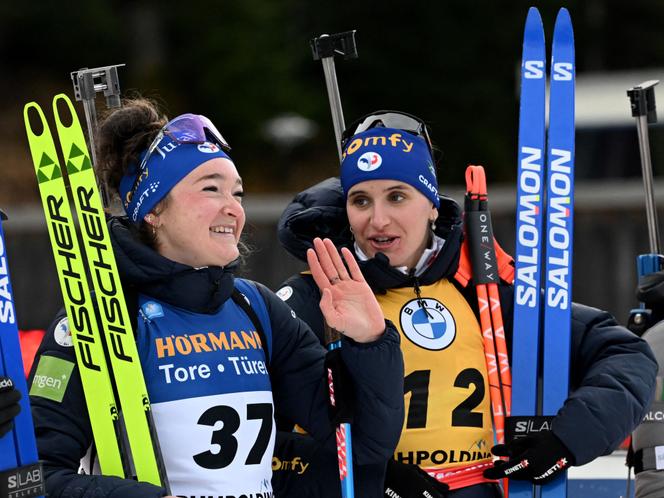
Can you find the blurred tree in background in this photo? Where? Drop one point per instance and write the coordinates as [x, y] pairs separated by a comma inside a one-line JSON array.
[[454, 63]]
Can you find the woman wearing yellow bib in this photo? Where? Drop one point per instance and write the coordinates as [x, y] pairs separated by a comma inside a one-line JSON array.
[[407, 239]]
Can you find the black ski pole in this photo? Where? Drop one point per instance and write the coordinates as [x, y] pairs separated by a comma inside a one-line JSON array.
[[325, 48], [642, 102]]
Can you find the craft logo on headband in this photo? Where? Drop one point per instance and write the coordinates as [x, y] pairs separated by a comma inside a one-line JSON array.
[[389, 154], [142, 190]]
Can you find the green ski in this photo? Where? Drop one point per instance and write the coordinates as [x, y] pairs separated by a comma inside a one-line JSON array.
[[76, 295], [116, 323]]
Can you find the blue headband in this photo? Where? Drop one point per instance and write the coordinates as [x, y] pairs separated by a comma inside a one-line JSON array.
[[170, 162], [389, 154]]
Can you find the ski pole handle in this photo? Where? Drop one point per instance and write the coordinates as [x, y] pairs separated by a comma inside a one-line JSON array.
[[642, 101], [87, 83], [325, 48]]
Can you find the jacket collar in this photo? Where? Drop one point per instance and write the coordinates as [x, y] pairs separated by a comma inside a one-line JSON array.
[[143, 270], [320, 211]]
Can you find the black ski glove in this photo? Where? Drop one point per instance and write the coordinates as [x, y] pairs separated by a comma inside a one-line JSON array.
[[538, 459], [406, 480], [9, 406]]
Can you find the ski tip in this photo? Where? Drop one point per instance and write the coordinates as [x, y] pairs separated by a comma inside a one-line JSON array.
[[563, 14], [563, 31], [534, 30], [533, 15], [36, 125], [72, 118], [61, 96], [563, 20]]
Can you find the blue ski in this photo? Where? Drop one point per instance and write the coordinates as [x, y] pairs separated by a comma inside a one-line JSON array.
[[535, 322], [559, 228], [20, 472], [528, 253]]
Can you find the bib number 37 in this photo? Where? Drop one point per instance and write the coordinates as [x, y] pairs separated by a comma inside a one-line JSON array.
[[224, 444]]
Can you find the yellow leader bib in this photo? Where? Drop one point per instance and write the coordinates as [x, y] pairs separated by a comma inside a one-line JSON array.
[[448, 414]]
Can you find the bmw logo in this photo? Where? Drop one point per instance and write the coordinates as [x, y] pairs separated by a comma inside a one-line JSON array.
[[428, 323]]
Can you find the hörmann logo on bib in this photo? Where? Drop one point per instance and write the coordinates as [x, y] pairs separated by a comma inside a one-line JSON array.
[[428, 323]]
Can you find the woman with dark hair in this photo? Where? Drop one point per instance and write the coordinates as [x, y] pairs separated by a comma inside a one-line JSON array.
[[176, 252], [407, 238]]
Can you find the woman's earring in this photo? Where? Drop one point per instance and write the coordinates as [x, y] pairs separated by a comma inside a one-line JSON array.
[[433, 225], [150, 220]]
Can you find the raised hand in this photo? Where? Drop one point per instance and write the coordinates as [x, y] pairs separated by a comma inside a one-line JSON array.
[[347, 302]]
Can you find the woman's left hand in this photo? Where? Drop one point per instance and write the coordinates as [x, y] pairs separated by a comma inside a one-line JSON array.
[[347, 302]]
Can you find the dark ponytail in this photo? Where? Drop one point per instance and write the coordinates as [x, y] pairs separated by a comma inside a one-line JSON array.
[[122, 135]]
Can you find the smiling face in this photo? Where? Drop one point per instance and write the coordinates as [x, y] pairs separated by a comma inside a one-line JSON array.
[[203, 219], [391, 217]]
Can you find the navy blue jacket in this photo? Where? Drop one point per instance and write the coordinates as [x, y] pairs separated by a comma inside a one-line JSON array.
[[296, 373], [612, 370]]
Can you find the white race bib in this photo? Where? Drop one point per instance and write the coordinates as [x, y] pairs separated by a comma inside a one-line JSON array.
[[218, 445]]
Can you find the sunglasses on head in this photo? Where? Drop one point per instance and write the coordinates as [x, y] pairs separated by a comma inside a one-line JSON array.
[[184, 129], [187, 129], [388, 119]]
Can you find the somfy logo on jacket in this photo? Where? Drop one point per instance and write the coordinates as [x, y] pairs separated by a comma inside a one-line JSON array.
[[428, 323]]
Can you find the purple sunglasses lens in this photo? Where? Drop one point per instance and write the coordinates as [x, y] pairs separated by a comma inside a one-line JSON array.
[[187, 129], [191, 128]]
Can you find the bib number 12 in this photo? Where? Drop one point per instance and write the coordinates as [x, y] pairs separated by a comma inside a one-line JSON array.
[[417, 383]]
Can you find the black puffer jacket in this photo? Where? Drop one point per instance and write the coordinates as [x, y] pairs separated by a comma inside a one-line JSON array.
[[299, 387], [612, 370]]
